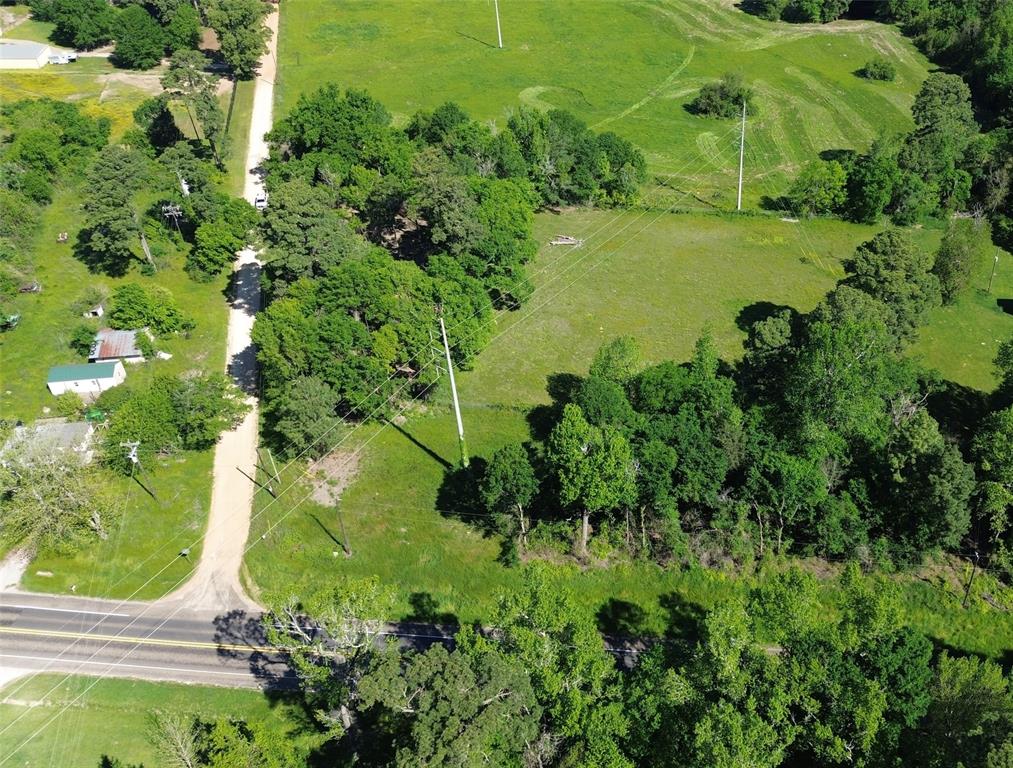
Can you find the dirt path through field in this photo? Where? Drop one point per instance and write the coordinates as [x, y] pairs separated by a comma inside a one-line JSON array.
[[216, 584]]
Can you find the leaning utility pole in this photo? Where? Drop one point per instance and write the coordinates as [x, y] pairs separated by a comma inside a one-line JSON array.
[[742, 154], [499, 31], [453, 391], [995, 263]]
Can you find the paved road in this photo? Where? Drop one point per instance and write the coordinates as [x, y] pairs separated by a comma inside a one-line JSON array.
[[151, 641], [42, 633]]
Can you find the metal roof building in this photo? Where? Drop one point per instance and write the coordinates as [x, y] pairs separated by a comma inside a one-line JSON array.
[[110, 345], [23, 54], [87, 379]]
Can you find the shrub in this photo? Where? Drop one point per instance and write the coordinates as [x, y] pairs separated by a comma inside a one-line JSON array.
[[69, 404], [878, 68], [820, 188], [82, 338], [724, 98]]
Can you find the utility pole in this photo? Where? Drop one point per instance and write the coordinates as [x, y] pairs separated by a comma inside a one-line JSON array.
[[742, 155], [995, 263], [970, 581], [344, 533], [499, 34], [132, 454], [453, 391]]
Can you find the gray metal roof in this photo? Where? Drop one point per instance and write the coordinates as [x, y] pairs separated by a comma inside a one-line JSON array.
[[22, 50], [53, 435]]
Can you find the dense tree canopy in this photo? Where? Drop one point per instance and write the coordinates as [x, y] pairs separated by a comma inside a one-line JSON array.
[[242, 35], [371, 230], [766, 679]]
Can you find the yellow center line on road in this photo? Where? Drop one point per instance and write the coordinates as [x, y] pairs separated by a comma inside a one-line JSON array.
[[142, 640]]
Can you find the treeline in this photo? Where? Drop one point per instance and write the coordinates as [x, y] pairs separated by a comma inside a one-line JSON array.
[[819, 441], [947, 163], [370, 229], [145, 31], [769, 679], [943, 166]]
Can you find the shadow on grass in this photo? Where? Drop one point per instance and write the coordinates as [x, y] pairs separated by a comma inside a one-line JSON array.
[[760, 310], [621, 617], [684, 626], [475, 39], [458, 495], [425, 448], [426, 610], [1005, 660]]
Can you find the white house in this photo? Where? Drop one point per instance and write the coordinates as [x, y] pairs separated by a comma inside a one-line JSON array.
[[87, 379], [22, 54], [110, 345]]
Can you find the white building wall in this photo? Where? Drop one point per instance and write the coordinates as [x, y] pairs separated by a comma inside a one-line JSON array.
[[89, 386]]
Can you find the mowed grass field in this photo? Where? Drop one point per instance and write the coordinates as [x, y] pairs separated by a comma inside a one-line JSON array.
[[705, 272], [660, 276], [83, 719], [630, 67]]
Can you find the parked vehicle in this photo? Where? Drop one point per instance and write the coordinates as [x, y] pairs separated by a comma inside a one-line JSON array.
[[260, 201]]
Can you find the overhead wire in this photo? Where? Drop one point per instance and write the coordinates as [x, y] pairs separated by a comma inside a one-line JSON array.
[[569, 267]]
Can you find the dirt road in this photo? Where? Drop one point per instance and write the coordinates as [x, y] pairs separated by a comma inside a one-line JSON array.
[[216, 585]]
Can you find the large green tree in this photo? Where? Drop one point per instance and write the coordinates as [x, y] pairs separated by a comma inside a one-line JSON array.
[[891, 268], [593, 466], [140, 41], [508, 485], [51, 501], [242, 34]]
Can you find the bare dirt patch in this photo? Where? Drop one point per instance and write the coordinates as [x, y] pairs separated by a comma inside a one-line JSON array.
[[331, 475]]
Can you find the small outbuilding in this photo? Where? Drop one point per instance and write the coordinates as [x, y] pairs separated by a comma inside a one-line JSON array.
[[110, 345], [50, 436], [87, 379], [23, 54]]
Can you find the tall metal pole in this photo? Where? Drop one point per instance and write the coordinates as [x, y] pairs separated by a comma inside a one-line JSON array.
[[742, 154], [499, 31], [995, 263], [453, 391]]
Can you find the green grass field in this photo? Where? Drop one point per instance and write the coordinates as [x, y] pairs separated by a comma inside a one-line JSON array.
[[662, 277], [704, 271], [84, 719], [627, 67]]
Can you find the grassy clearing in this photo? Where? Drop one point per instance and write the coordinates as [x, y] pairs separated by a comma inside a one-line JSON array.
[[704, 271], [111, 717], [103, 90], [961, 340], [556, 55], [663, 279], [30, 29], [239, 112]]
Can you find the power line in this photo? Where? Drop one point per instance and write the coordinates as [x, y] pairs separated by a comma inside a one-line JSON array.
[[531, 311]]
